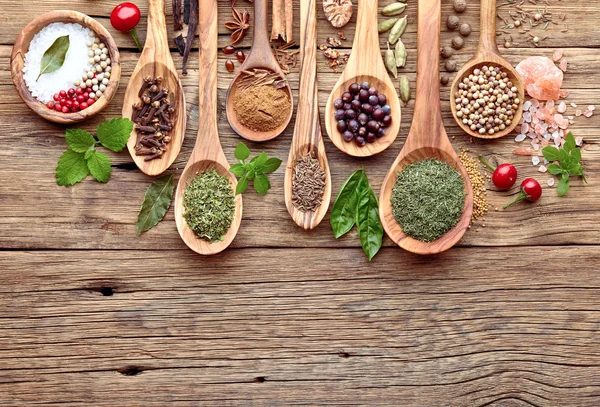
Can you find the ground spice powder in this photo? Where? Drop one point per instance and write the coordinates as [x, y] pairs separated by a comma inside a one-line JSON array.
[[261, 108]]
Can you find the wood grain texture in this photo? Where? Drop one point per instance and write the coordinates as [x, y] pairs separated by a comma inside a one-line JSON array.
[[488, 54], [364, 65], [154, 62], [207, 152], [427, 138], [21, 47], [308, 136], [261, 57]]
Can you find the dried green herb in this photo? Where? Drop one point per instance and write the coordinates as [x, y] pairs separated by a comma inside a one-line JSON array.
[[54, 57], [209, 205], [428, 199]]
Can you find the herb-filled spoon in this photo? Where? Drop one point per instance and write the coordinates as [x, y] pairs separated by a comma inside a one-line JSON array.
[[427, 137], [260, 57], [365, 65], [207, 152], [488, 55], [308, 137], [155, 61]]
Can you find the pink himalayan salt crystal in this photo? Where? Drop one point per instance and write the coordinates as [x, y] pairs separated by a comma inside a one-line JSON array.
[[523, 151], [591, 107], [535, 103], [562, 107], [541, 78], [588, 113], [573, 104], [577, 113], [557, 55], [579, 140], [564, 93], [563, 65]]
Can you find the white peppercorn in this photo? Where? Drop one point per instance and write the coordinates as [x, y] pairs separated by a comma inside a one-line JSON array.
[[452, 22], [460, 6], [457, 43], [465, 29]]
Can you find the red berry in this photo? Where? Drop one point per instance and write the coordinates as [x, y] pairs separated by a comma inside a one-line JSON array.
[[50, 105], [86, 95], [80, 98], [75, 109], [83, 105], [65, 109], [69, 103], [56, 97], [79, 91], [91, 101], [63, 93], [63, 101], [71, 92], [76, 104]]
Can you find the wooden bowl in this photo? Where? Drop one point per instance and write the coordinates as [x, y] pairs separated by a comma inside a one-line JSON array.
[[17, 61]]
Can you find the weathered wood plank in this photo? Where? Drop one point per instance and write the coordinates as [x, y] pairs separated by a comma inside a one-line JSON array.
[[470, 327]]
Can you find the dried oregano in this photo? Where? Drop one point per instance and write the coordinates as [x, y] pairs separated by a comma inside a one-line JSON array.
[[428, 199], [209, 205]]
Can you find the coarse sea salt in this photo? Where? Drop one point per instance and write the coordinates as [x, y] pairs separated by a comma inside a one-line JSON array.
[[76, 60]]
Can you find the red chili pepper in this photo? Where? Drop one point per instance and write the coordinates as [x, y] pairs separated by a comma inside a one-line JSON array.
[[530, 190], [504, 176], [125, 17]]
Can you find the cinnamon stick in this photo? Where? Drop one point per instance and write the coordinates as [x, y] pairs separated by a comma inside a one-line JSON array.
[[289, 20], [177, 15], [283, 14], [193, 25]]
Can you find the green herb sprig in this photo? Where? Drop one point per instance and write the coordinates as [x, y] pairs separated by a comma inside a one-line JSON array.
[[569, 163], [255, 170], [82, 159], [356, 204]]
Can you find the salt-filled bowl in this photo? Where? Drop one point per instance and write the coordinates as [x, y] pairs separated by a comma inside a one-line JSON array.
[[21, 47]]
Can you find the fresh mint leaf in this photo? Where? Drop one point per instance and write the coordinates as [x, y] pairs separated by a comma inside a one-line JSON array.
[[79, 140], [71, 168], [554, 169], [343, 213], [157, 201], [241, 152], [370, 229], [89, 152], [113, 134], [261, 184], [563, 184], [271, 165], [237, 169], [99, 166], [550, 153], [242, 185]]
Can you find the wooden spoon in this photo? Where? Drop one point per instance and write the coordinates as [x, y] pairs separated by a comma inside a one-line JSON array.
[[156, 61], [207, 151], [260, 56], [308, 138], [488, 54], [427, 137], [365, 65]]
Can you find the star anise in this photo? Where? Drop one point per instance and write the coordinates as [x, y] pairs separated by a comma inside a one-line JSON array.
[[239, 25]]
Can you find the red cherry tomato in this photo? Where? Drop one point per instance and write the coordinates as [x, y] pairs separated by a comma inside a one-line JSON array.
[[504, 176], [125, 17], [530, 190]]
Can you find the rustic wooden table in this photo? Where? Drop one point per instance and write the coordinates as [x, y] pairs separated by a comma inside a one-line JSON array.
[[93, 315]]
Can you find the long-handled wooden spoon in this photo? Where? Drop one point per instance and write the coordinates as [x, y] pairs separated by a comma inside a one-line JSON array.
[[365, 65], [207, 151], [260, 56], [308, 138], [156, 61], [489, 55], [427, 137]]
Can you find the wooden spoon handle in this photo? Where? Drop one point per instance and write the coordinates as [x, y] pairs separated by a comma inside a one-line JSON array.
[[261, 54], [487, 33], [366, 36], [156, 34]]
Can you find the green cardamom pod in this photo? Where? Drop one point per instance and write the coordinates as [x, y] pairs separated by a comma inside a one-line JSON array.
[[398, 30], [393, 9], [404, 89], [400, 54], [390, 62], [386, 25]]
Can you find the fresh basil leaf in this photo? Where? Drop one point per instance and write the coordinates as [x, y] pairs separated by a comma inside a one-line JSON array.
[[569, 142], [157, 201], [260, 161], [370, 229], [550, 153], [554, 169], [271, 165], [241, 152], [237, 169], [574, 169], [113, 134], [242, 185], [71, 168], [563, 185], [343, 213], [261, 184], [251, 169], [54, 57], [99, 166], [576, 154], [563, 156], [79, 140]]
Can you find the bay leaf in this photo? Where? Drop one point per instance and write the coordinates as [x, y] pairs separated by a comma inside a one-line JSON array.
[[343, 213], [370, 229], [54, 57], [156, 203]]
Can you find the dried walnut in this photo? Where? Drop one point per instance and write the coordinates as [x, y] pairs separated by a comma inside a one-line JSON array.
[[338, 12]]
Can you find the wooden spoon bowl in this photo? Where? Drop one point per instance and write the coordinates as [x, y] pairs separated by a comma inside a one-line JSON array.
[[156, 61], [207, 152], [427, 137], [260, 57], [364, 65], [488, 55], [17, 62]]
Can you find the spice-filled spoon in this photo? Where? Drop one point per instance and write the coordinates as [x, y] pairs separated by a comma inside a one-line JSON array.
[[308, 138], [156, 154], [427, 137], [207, 152], [259, 123], [488, 55], [364, 66]]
